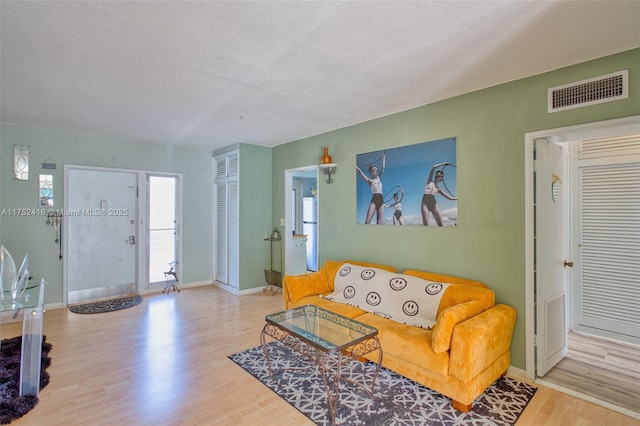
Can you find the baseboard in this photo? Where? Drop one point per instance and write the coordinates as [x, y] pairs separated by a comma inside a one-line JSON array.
[[194, 284], [518, 373], [240, 292]]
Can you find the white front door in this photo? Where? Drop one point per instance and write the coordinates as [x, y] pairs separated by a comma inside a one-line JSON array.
[[551, 203], [101, 233]]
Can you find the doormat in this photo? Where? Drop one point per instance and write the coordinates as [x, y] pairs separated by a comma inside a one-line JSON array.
[[108, 305], [397, 400]]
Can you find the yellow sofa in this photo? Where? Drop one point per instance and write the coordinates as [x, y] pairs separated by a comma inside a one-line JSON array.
[[467, 349]]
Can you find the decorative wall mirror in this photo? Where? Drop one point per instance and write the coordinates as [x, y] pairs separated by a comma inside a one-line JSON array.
[[45, 191], [21, 162]]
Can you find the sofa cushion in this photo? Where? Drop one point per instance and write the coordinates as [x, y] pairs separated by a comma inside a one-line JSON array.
[[403, 298], [448, 319], [457, 293], [412, 344], [299, 286]]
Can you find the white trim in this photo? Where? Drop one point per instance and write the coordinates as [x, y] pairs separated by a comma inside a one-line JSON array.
[[258, 289], [233, 290], [605, 128]]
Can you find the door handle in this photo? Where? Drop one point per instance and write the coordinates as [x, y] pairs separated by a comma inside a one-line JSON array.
[[131, 240], [569, 264]]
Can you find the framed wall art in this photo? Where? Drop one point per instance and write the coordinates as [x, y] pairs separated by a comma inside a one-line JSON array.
[[409, 185]]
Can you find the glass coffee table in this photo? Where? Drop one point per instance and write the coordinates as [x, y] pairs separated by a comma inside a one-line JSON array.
[[329, 340]]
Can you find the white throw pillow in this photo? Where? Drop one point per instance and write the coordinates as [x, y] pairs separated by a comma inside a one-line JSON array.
[[403, 298]]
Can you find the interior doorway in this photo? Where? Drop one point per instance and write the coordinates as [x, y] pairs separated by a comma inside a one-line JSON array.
[[533, 284], [301, 220]]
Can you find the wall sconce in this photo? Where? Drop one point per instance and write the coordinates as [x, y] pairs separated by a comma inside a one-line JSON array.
[[328, 170], [327, 167]]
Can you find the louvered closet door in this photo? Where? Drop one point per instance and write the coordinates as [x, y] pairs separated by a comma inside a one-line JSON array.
[[608, 287], [233, 236], [220, 255], [226, 220]]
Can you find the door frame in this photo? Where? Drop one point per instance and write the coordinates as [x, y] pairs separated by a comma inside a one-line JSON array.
[[552, 160], [65, 224], [558, 135], [141, 256]]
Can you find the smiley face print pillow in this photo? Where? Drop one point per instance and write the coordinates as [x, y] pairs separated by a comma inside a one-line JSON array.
[[403, 298]]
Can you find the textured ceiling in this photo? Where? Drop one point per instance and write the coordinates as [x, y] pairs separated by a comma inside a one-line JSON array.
[[212, 73]]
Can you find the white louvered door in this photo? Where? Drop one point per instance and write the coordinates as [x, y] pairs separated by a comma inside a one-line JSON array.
[[608, 267], [226, 220], [233, 268], [220, 232], [551, 204]]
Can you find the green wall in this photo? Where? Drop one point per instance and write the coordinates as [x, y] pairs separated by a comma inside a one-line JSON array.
[[490, 124], [255, 215], [31, 235]]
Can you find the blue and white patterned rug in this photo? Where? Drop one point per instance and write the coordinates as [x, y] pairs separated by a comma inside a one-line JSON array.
[[398, 400]]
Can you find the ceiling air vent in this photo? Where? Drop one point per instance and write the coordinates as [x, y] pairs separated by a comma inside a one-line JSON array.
[[605, 88]]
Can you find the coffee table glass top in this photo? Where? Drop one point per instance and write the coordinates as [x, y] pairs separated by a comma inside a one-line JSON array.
[[323, 329]]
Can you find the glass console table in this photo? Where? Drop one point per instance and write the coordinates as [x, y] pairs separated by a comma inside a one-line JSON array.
[[31, 303]]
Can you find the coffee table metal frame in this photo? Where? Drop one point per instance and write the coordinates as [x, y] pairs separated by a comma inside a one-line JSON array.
[[329, 340]]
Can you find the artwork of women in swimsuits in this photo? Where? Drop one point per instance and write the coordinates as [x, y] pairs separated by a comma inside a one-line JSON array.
[[376, 205], [431, 189], [420, 185], [396, 204]]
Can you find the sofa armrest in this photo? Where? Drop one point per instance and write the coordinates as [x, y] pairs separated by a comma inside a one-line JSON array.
[[295, 287], [477, 342], [448, 319]]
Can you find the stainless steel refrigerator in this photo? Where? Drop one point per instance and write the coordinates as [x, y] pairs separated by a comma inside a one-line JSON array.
[[310, 229]]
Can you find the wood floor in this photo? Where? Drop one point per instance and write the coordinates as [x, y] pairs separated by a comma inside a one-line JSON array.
[[165, 362], [602, 369]]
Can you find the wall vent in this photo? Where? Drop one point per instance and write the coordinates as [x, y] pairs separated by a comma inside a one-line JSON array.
[[596, 90]]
